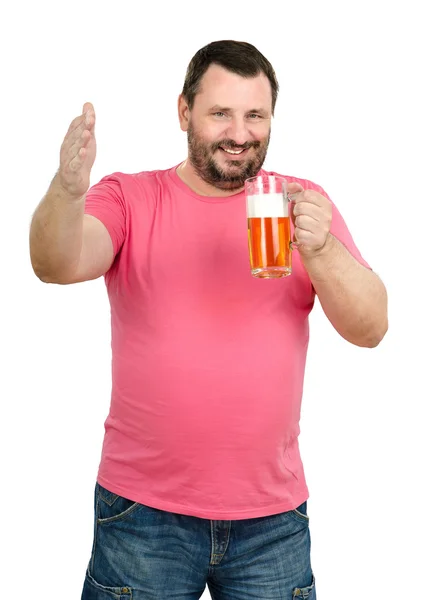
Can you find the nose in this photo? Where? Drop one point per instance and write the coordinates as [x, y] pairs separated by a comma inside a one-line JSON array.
[[238, 131]]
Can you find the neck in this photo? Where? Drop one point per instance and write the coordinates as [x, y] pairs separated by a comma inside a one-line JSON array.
[[187, 174]]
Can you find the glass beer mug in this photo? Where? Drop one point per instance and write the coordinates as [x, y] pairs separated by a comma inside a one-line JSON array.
[[269, 226]]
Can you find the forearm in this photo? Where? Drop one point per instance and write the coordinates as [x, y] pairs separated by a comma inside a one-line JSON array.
[[352, 296], [56, 233]]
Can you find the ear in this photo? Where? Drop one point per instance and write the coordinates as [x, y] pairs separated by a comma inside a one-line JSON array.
[[184, 113]]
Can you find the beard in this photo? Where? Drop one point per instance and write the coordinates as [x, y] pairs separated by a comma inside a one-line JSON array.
[[233, 176]]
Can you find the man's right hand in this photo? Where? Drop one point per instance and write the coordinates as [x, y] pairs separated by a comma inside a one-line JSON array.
[[78, 153]]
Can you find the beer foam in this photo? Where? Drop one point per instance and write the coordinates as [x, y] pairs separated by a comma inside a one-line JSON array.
[[267, 205]]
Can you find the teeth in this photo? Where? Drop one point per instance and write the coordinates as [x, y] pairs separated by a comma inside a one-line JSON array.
[[232, 151]]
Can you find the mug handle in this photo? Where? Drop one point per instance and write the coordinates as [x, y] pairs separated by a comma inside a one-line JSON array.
[[292, 244]]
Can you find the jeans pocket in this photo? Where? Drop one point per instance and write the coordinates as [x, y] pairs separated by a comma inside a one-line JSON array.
[[305, 593], [301, 511], [95, 591], [112, 507]]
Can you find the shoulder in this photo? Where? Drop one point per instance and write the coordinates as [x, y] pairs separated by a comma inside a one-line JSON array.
[[141, 177]]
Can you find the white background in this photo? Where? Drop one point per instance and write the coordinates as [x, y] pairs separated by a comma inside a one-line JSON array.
[[355, 114]]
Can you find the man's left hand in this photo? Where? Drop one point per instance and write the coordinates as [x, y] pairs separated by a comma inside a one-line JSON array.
[[311, 215]]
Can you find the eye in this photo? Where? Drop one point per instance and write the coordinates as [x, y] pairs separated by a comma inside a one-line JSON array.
[[254, 116], [219, 114]]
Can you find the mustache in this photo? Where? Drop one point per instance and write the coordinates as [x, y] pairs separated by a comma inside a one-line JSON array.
[[233, 146]]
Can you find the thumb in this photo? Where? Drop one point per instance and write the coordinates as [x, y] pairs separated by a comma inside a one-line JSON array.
[[294, 188]]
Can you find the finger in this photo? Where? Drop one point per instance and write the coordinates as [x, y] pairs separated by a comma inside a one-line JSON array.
[[311, 197], [75, 131], [68, 153], [72, 144], [306, 223], [294, 242], [86, 119], [303, 237], [90, 117], [293, 196], [306, 208], [75, 123], [77, 161], [77, 136], [87, 106], [294, 187], [81, 142]]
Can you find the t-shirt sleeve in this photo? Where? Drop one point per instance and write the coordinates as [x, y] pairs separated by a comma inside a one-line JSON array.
[[105, 201], [339, 228]]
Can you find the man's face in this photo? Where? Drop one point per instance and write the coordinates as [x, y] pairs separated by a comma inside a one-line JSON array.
[[229, 127]]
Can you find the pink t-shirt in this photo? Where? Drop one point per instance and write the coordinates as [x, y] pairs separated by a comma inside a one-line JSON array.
[[207, 361]]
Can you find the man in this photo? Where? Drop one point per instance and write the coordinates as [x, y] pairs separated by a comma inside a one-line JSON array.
[[201, 481]]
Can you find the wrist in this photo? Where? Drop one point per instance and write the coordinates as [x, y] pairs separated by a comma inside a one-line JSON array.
[[67, 195]]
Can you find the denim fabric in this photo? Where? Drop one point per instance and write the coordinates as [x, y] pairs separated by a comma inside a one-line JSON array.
[[143, 553]]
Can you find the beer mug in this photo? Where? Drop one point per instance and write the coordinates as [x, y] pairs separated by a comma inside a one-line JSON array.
[[269, 226]]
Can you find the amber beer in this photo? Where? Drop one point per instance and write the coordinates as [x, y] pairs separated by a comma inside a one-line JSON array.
[[268, 241], [269, 227]]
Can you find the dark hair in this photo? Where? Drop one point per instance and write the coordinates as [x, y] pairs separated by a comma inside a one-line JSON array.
[[241, 58]]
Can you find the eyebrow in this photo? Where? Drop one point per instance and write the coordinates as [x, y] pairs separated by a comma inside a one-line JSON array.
[[260, 111]]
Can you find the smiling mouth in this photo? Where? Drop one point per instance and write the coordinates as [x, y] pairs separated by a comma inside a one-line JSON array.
[[230, 152]]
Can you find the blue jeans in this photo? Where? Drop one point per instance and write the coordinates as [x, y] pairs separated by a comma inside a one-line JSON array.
[[143, 553]]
